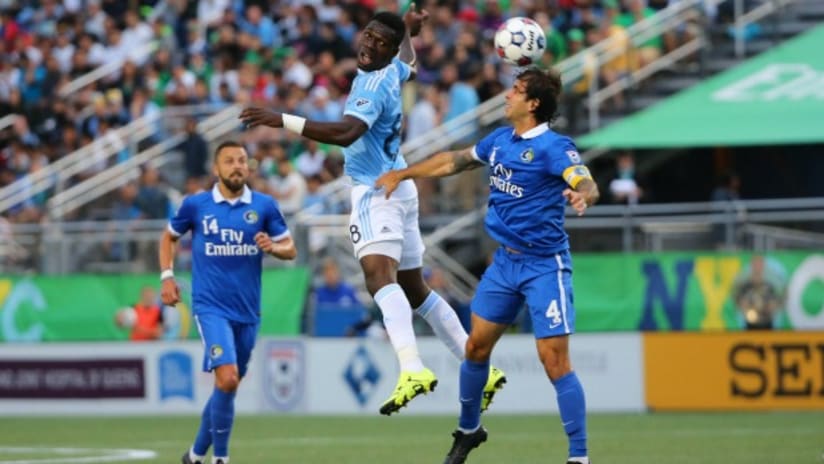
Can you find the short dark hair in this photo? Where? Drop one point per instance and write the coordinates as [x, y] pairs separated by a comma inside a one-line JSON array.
[[394, 22], [546, 87], [227, 144]]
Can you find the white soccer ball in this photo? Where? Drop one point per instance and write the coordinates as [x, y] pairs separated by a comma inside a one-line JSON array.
[[126, 317], [520, 41]]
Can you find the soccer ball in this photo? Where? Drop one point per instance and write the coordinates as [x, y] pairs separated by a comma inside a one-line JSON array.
[[126, 317], [520, 41]]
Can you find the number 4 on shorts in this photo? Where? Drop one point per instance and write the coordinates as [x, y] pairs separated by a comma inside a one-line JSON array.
[[553, 314]]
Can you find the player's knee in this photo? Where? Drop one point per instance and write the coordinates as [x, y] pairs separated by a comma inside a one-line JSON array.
[[227, 381], [556, 365], [377, 282], [478, 350]]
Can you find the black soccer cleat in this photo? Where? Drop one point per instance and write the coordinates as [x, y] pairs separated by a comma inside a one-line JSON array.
[[187, 460], [463, 444]]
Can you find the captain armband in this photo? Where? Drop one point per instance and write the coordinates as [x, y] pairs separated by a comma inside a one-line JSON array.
[[573, 175]]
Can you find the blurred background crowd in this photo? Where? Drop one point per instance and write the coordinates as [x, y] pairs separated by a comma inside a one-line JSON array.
[[295, 56]]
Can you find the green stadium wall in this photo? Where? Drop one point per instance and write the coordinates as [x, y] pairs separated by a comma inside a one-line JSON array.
[[613, 292], [82, 307], [690, 291]]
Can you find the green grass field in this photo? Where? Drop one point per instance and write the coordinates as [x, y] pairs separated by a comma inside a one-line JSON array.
[[728, 438]]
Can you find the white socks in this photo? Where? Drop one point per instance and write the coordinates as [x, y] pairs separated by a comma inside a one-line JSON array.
[[579, 460], [195, 458], [445, 323], [397, 318]]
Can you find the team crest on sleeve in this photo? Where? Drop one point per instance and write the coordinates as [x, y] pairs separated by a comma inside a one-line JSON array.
[[528, 155], [250, 216], [574, 156]]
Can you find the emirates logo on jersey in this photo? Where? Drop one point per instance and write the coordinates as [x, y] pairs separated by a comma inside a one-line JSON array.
[[500, 180]]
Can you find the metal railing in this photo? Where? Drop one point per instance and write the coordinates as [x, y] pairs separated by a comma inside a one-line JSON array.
[[65, 247], [742, 20], [770, 238], [8, 120], [106, 69], [55, 175], [213, 127]]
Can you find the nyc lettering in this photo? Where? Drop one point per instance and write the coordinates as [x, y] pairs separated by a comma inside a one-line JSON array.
[[715, 277], [780, 369]]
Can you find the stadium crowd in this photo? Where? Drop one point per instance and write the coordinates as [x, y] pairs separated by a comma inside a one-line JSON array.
[[296, 55]]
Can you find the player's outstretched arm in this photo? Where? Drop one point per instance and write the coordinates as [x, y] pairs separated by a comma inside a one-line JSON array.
[[282, 249], [342, 133], [169, 291], [413, 19], [442, 164]]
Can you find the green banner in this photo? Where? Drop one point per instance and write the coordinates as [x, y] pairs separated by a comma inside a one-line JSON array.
[[776, 98], [83, 307], [677, 291]]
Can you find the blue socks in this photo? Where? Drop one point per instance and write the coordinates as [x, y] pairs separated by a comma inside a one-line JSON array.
[[473, 379], [572, 406], [223, 414], [203, 439]]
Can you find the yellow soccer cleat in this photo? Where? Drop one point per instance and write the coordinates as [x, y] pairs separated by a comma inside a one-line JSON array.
[[410, 385], [495, 382]]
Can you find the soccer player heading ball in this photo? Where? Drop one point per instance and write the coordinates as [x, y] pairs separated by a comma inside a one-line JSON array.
[[533, 174], [384, 231]]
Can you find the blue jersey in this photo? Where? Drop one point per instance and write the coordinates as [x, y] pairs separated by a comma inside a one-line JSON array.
[[375, 99], [527, 177], [226, 261]]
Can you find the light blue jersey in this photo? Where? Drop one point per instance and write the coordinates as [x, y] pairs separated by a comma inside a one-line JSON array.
[[527, 177], [226, 261], [375, 99]]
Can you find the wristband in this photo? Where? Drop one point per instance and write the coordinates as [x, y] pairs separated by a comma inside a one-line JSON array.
[[293, 123], [167, 274]]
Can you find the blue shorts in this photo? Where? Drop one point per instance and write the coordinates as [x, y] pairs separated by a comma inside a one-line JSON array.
[[544, 283], [226, 342]]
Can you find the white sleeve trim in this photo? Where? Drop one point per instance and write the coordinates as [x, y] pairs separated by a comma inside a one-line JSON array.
[[276, 238], [359, 116], [172, 231], [475, 155]]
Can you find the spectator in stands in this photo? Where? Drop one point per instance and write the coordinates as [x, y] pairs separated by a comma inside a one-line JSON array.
[[195, 152], [143, 320], [727, 189], [727, 195], [624, 187], [333, 291], [152, 200], [759, 293], [288, 187], [310, 162], [650, 50]]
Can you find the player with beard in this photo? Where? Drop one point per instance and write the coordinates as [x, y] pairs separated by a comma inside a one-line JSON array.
[[232, 227], [384, 231]]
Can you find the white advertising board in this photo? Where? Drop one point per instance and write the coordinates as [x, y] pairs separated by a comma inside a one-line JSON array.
[[110, 378], [299, 376], [352, 376]]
